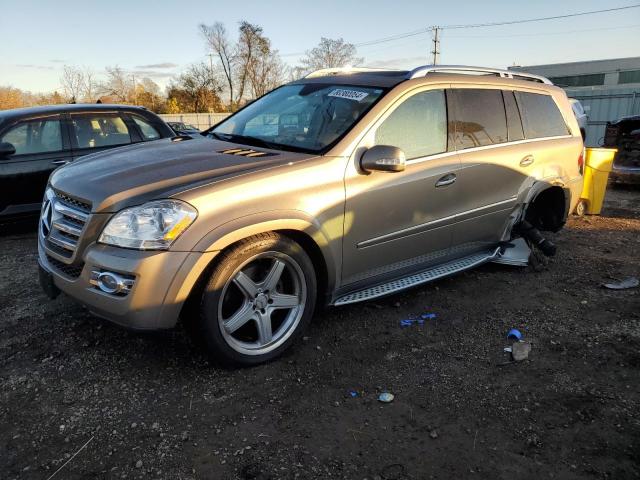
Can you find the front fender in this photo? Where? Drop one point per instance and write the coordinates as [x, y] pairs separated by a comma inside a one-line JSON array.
[[326, 235]]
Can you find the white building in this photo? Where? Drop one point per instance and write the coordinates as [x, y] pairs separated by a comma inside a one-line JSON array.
[[608, 89]]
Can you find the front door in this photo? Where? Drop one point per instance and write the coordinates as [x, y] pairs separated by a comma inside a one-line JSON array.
[[395, 222], [41, 146]]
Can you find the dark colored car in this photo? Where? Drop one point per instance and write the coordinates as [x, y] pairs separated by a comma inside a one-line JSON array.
[[35, 141], [624, 134], [182, 128]]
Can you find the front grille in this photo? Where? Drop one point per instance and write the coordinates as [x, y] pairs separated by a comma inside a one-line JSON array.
[[74, 202], [72, 271], [66, 222]]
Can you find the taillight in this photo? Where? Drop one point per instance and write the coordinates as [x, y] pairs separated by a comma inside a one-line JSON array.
[[581, 162]]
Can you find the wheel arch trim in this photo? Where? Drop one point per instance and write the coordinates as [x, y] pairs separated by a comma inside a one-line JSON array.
[[240, 228]]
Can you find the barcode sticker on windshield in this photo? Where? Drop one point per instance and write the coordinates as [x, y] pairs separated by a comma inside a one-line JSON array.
[[348, 94]]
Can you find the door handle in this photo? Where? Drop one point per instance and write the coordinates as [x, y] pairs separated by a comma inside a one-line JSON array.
[[60, 162], [526, 161], [448, 179]]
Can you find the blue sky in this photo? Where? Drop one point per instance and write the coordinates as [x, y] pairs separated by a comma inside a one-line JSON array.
[[159, 38]]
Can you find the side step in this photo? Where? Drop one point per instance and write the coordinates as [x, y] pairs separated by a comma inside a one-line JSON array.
[[516, 253], [425, 276]]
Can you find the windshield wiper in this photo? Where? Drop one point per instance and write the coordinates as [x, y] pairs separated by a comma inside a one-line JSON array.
[[256, 142], [214, 134]]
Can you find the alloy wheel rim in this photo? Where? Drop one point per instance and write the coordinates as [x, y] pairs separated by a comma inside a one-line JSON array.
[[262, 303]]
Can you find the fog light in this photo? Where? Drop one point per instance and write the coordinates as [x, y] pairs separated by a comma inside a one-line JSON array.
[[111, 283]]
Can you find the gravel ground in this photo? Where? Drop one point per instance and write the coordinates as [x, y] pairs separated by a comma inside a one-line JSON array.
[[152, 406]]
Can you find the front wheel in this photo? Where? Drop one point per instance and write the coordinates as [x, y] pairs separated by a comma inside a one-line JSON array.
[[259, 298], [581, 208]]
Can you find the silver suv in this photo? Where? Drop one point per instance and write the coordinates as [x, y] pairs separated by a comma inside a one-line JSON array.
[[338, 188]]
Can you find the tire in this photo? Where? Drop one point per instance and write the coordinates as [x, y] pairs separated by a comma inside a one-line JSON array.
[[581, 208], [258, 300]]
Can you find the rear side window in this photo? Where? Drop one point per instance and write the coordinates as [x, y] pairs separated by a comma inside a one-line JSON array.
[[149, 132], [418, 126], [35, 136], [514, 123], [540, 116], [479, 117], [96, 130]]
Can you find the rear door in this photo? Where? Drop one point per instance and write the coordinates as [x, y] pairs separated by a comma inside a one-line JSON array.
[[96, 131], [42, 145], [546, 131], [486, 124]]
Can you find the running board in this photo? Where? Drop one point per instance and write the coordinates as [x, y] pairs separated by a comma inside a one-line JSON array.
[[415, 279], [515, 253]]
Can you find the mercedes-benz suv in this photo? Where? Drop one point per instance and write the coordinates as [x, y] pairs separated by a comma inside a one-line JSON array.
[[337, 188]]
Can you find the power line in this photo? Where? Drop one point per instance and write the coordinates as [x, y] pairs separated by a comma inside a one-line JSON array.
[[476, 25], [540, 19], [540, 34]]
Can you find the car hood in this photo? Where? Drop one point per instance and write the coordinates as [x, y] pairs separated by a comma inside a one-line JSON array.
[[131, 175]]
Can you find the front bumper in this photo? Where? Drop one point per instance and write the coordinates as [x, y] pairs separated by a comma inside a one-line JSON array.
[[162, 283], [628, 175]]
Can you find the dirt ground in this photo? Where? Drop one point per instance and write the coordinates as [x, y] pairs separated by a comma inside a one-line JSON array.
[[150, 406]]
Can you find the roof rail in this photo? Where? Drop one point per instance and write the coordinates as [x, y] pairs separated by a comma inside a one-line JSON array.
[[466, 70], [326, 72]]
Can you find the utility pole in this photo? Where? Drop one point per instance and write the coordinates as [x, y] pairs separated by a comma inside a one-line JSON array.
[[436, 45], [135, 90], [210, 55]]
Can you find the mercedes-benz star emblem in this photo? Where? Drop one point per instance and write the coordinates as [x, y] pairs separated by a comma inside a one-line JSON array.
[[45, 220]]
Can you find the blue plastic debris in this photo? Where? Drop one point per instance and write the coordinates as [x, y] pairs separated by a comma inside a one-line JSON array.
[[407, 322], [514, 334], [353, 394], [386, 397]]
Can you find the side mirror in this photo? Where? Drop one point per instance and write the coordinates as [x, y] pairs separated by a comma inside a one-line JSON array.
[[6, 149], [383, 158]]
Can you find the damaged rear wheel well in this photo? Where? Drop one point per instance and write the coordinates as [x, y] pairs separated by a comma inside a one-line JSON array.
[[548, 210]]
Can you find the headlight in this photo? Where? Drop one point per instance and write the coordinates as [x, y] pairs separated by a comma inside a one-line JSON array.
[[152, 226]]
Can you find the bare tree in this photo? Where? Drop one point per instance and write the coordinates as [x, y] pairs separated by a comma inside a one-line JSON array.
[[89, 85], [118, 84], [266, 72], [72, 81], [219, 44], [250, 66], [251, 45], [330, 53]]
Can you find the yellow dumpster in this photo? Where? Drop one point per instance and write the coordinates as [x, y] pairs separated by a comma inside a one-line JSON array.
[[597, 165]]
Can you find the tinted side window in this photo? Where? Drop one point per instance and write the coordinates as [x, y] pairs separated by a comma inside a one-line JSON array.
[[418, 126], [100, 130], [479, 118], [35, 136], [540, 116], [514, 123], [149, 132]]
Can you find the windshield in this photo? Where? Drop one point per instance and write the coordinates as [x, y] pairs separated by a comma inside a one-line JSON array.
[[308, 117]]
